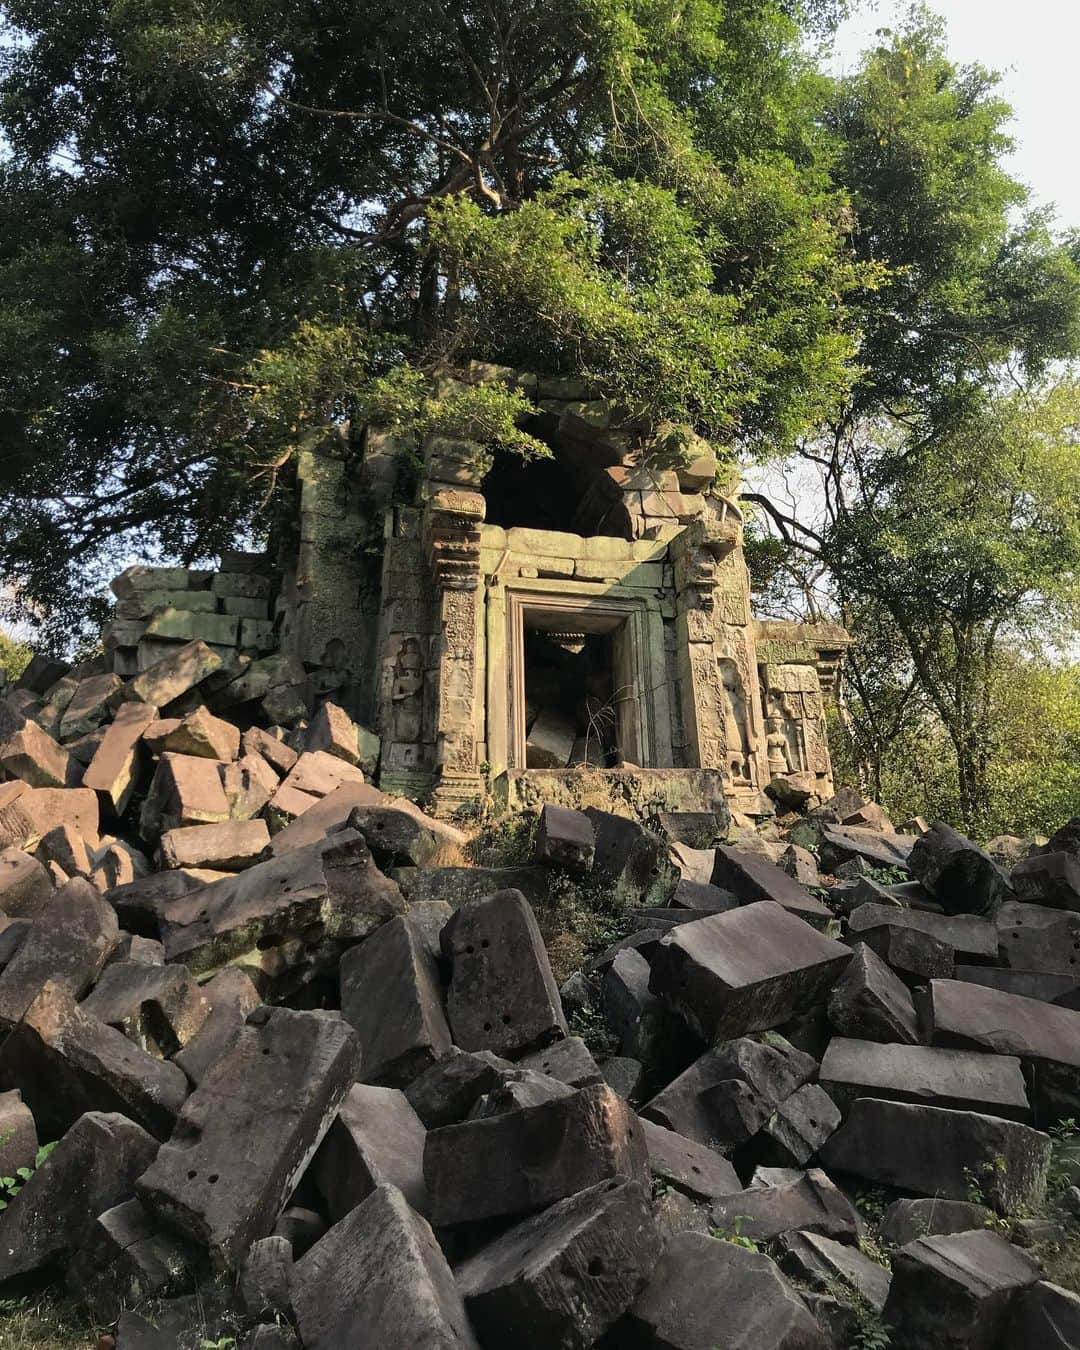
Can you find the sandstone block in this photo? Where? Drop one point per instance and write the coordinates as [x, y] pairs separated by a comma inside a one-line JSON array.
[[230, 996], [565, 838], [27, 813], [183, 625], [811, 1203], [18, 1134], [277, 1089], [25, 884], [956, 1291], [137, 578], [248, 785], [30, 754], [752, 878], [932, 1151], [185, 790], [564, 1276], [390, 994], [266, 1278], [906, 1220], [913, 954], [114, 770], [286, 914], [89, 705], [228, 847], [376, 1139], [569, 1061], [202, 734], [127, 1258], [1039, 938], [65, 1062], [446, 1092], [379, 1278], [796, 1130], [166, 680], [630, 862], [158, 1007], [956, 872], [962, 1079], [747, 970], [93, 1167], [522, 1160], [697, 1171], [280, 756], [701, 1285], [869, 1003], [823, 1263], [1044, 1315], [333, 731], [972, 938], [503, 996], [68, 945]]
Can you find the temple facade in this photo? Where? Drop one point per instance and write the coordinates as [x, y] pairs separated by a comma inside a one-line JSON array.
[[504, 625]]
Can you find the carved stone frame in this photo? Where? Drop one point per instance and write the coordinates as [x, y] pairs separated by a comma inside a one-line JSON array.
[[645, 718]]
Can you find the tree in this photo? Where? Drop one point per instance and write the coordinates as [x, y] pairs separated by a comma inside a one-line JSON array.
[[938, 515], [224, 228]]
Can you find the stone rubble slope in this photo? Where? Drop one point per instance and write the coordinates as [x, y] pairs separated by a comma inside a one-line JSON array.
[[309, 1086]]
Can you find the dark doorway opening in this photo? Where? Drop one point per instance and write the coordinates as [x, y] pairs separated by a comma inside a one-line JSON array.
[[571, 705]]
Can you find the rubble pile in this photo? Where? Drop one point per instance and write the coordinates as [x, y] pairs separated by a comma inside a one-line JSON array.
[[307, 1085]]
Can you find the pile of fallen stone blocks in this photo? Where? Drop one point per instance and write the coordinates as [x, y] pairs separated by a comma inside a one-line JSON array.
[[308, 1086], [160, 608]]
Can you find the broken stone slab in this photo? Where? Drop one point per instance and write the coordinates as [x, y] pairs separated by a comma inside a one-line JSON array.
[[796, 1130], [1037, 984], [18, 1134], [630, 864], [317, 774], [694, 864], [427, 920], [839, 843], [701, 1285], [906, 1220], [395, 836], [698, 829], [230, 996], [158, 1007], [570, 1061], [143, 951], [41, 673], [870, 1003], [502, 996], [522, 1160], [282, 915], [68, 850], [811, 1203], [91, 1169], [871, 815], [956, 1291], [185, 790], [801, 865], [265, 1283], [703, 1104], [332, 730], [30, 754], [823, 1263], [126, 1259], [1044, 1037], [461, 886], [958, 874], [89, 705], [550, 740], [642, 1026], [1037, 937], [752, 878], [517, 1088], [249, 783], [390, 994], [184, 625], [377, 1138], [171, 677], [277, 753], [204, 736], [697, 1171], [28, 813], [117, 864], [185, 1323], [65, 1062], [1048, 879], [25, 884], [378, 1277], [324, 816], [565, 838], [277, 1089], [1044, 1315], [703, 896], [972, 939], [624, 1075], [564, 1276], [68, 944], [229, 846], [138, 578], [932, 1151], [446, 1092], [748, 970], [913, 954], [114, 770], [139, 903], [963, 1079]]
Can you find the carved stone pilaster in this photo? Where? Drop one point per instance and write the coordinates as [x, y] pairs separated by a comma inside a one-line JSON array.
[[452, 521]]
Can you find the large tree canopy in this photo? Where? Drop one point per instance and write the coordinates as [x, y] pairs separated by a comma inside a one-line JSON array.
[[223, 225]]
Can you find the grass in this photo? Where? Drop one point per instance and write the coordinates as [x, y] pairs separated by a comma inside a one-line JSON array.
[[45, 1321]]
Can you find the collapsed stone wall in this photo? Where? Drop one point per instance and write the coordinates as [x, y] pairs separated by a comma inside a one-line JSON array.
[[307, 1070]]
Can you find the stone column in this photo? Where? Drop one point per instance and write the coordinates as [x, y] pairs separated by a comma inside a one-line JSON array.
[[452, 521]]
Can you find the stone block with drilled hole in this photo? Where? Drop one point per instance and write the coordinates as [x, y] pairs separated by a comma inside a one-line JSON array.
[[230, 996], [158, 1007], [278, 1090], [697, 1171], [503, 996], [565, 838]]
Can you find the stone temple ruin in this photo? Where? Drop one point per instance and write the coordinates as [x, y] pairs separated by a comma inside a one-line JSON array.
[[502, 624]]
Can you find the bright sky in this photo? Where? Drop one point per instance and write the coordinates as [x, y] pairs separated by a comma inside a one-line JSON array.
[[1033, 45]]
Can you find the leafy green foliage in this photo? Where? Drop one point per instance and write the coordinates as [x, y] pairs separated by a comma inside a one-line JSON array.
[[11, 1186], [228, 229], [14, 655]]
